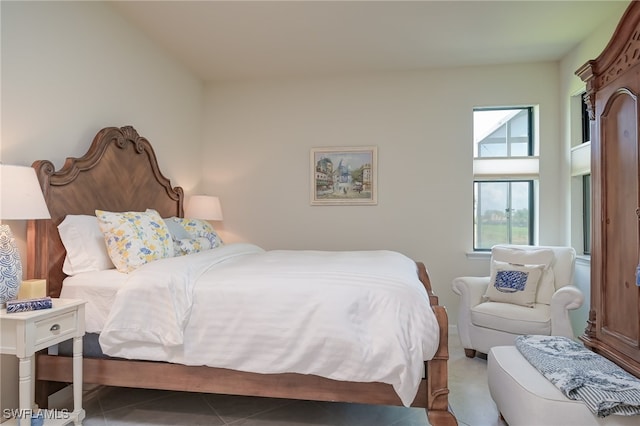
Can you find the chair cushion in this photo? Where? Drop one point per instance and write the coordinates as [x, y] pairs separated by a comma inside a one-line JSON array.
[[529, 256], [514, 319]]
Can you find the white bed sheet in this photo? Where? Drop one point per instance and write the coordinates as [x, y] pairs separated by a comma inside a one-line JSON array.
[[354, 316], [99, 289]]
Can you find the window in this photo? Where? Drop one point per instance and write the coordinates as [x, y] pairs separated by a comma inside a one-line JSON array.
[[502, 132], [586, 213], [586, 123], [505, 176], [586, 183], [580, 126], [503, 213]]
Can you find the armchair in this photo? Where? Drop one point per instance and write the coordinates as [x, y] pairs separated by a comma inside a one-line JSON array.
[[483, 324]]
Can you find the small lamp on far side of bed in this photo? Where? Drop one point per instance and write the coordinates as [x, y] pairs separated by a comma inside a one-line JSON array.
[[20, 199], [205, 207]]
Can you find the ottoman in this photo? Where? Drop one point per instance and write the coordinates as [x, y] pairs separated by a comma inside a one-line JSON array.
[[524, 397]]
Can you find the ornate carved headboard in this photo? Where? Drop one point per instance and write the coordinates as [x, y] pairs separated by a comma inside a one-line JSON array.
[[119, 173]]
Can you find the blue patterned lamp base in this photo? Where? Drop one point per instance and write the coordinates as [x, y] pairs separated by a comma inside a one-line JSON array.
[[10, 266]]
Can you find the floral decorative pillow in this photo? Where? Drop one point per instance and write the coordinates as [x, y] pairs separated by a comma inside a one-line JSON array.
[[190, 245], [512, 283], [134, 238], [198, 230], [176, 230]]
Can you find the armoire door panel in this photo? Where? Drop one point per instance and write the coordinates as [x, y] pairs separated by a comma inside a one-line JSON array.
[[621, 227]]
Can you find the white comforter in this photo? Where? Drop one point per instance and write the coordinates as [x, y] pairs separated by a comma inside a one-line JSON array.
[[359, 316]]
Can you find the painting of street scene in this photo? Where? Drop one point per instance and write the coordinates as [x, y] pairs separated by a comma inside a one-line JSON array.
[[344, 175]]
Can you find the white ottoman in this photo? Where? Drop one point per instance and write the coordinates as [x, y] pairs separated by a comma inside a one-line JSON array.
[[524, 397]]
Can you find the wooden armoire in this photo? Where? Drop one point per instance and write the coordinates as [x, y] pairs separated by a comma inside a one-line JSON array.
[[613, 99]]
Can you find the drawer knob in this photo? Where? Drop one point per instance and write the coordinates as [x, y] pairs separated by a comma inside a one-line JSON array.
[[55, 327]]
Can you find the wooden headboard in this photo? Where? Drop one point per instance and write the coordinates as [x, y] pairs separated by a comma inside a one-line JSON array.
[[118, 173]]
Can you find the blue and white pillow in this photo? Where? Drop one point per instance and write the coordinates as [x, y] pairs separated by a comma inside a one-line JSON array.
[[192, 235], [190, 245], [513, 283]]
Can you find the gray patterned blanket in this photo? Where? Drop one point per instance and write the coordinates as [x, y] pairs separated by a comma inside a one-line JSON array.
[[582, 374]]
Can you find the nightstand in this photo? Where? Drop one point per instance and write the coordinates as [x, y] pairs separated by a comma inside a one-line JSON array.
[[25, 333]]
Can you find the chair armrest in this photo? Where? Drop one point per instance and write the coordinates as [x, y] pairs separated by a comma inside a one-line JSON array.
[[567, 298], [471, 289], [564, 299]]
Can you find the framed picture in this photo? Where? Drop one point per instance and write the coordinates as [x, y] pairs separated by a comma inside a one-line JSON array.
[[344, 175]]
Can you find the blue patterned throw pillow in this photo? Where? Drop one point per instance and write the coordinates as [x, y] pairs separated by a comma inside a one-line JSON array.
[[512, 283]]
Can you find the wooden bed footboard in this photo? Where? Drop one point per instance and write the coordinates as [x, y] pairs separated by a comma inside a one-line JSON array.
[[433, 393]]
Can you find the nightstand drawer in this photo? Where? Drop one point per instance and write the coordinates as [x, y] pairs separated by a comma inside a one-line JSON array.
[[50, 329]]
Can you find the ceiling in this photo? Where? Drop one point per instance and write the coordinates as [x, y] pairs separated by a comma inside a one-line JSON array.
[[239, 40]]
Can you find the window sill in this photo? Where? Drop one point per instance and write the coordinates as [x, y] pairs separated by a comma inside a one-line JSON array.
[[583, 259], [478, 255]]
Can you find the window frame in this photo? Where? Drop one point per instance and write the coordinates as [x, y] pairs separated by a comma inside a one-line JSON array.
[[507, 169], [586, 214], [581, 214], [530, 219], [530, 144]]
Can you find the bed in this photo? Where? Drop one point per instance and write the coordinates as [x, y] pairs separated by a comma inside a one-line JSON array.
[[120, 173]]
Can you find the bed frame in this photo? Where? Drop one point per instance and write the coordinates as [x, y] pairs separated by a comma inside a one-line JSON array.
[[120, 172]]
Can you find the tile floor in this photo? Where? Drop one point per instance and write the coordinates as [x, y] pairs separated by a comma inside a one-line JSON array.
[[109, 406]]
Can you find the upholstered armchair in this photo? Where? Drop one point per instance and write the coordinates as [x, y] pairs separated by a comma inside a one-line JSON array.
[[492, 311]]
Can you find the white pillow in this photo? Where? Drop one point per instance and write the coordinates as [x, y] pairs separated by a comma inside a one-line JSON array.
[[85, 246], [134, 238], [521, 256], [512, 283]]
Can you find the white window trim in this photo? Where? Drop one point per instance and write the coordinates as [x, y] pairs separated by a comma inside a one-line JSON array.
[[506, 168], [581, 159]]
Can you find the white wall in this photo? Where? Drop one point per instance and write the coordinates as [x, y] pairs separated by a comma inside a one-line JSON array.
[[72, 68], [258, 137]]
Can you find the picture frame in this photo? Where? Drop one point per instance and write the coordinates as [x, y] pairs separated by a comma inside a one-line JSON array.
[[344, 175]]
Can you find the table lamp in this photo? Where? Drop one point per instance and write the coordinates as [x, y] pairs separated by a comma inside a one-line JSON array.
[[205, 207], [20, 199]]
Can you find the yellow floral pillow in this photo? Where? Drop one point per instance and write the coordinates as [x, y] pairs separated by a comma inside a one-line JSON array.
[[134, 238]]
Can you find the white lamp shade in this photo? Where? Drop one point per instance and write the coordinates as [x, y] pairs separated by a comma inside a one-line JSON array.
[[20, 194], [203, 207]]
